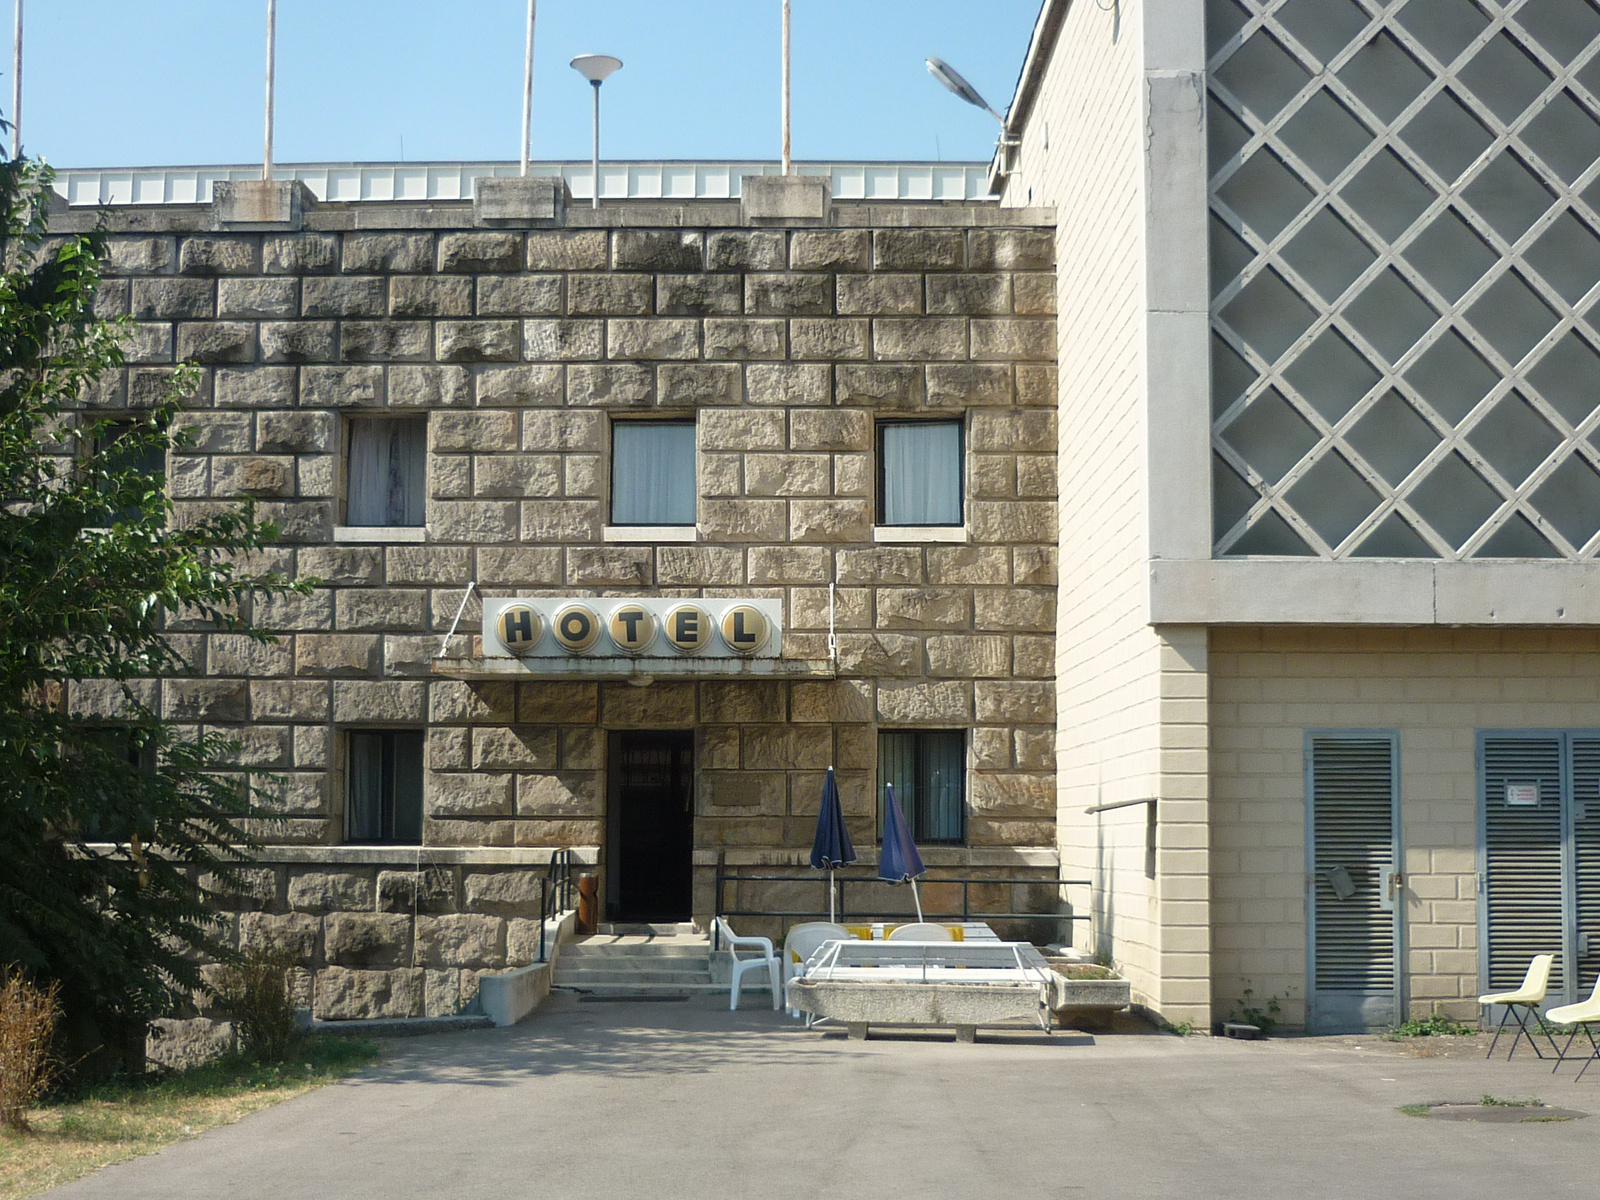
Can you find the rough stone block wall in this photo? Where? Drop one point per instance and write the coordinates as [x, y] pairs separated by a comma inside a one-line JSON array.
[[388, 938], [1437, 687], [519, 347]]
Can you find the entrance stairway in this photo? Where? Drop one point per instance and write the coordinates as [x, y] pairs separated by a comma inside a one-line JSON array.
[[659, 961]]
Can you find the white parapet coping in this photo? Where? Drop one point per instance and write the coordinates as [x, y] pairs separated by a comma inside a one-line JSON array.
[[683, 180]]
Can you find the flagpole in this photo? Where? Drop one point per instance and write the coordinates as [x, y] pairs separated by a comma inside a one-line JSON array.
[[527, 88], [16, 86], [272, 55], [786, 160]]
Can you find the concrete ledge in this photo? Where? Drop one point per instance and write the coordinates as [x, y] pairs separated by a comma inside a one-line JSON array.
[[786, 198], [399, 1026], [509, 996], [411, 856], [1038, 858], [518, 200], [260, 203], [1393, 592]]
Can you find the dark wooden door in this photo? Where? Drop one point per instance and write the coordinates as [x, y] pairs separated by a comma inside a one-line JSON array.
[[651, 825]]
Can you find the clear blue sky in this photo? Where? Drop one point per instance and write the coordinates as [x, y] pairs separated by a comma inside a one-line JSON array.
[[169, 82]]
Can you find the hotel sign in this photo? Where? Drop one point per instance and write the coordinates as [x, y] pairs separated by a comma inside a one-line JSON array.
[[566, 627]]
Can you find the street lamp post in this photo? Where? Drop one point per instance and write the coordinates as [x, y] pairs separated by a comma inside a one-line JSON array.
[[596, 68]]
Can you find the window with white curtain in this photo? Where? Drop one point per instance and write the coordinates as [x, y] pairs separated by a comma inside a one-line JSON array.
[[919, 473], [652, 473], [384, 796], [387, 471]]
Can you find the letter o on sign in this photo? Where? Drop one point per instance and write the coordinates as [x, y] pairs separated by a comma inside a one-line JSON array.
[[745, 628], [519, 628], [576, 627], [688, 627], [632, 628]]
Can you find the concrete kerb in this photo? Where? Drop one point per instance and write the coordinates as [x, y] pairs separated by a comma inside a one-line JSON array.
[[507, 997]]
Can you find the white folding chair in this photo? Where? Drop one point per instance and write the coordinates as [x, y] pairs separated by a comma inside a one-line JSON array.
[[1523, 1003], [768, 959], [920, 931], [803, 941]]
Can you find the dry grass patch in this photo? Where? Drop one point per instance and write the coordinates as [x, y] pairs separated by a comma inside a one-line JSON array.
[[76, 1134]]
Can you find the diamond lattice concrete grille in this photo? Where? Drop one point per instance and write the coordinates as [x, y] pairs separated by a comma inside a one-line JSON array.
[[1405, 249]]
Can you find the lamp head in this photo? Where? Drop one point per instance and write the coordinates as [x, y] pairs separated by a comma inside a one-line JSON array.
[[596, 68], [952, 79]]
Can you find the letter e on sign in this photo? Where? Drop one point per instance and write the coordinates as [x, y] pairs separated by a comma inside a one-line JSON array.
[[632, 628], [576, 627], [688, 627], [744, 628], [519, 628]]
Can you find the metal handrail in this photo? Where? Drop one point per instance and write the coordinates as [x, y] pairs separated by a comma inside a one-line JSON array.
[[725, 876], [555, 893]]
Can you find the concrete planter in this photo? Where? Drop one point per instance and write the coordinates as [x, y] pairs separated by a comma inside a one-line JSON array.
[[1090, 1003]]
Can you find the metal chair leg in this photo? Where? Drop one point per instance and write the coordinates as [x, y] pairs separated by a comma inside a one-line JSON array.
[[1562, 1057], [1594, 1047], [1522, 1031], [1504, 1017]]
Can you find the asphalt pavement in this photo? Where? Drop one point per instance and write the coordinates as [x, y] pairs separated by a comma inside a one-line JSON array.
[[669, 1100]]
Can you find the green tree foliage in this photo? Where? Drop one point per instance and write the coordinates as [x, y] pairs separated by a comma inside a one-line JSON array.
[[105, 820]]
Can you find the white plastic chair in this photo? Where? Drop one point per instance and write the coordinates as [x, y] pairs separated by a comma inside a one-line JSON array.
[[1523, 1003], [768, 959], [920, 931], [803, 941], [1580, 1016]]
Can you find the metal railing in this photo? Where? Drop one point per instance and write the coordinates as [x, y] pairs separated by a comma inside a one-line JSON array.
[[935, 885], [555, 893]]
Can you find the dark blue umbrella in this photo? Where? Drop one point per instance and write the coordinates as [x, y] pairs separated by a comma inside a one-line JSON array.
[[898, 861], [831, 848]]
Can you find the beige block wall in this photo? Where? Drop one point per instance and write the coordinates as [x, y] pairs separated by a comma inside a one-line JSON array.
[[1437, 687], [1130, 698]]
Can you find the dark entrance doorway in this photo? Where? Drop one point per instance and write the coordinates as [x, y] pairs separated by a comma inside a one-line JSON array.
[[650, 826]]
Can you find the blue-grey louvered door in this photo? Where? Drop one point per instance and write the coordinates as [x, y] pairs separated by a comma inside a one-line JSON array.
[[1352, 881]]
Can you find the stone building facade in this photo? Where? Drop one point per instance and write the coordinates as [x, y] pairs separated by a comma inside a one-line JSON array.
[[520, 339]]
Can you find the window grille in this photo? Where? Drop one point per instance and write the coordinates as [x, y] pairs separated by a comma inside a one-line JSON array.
[[1404, 247]]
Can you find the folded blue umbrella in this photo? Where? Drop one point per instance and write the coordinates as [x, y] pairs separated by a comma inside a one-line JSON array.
[[831, 848], [898, 860]]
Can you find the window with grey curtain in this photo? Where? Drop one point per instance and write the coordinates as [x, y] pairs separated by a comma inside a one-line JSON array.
[[384, 798], [652, 473], [919, 473], [928, 768], [388, 472]]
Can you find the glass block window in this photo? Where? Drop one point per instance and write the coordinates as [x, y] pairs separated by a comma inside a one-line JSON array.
[[1405, 251], [919, 473], [928, 768], [652, 473], [384, 795]]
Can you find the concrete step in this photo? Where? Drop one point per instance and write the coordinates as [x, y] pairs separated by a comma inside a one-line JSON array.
[[587, 978], [648, 929], [605, 944], [644, 989]]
